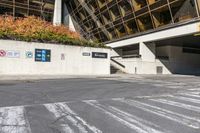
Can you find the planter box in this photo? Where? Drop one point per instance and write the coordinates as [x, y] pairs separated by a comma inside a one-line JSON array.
[[30, 58]]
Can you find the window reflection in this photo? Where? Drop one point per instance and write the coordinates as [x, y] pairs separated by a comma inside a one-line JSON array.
[[119, 18], [21, 8]]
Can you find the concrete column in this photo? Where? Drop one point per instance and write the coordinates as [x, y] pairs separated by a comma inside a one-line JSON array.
[[68, 19], [57, 18], [147, 51]]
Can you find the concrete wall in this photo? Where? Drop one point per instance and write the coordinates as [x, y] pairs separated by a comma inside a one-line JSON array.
[[163, 51], [148, 63], [73, 64], [145, 65], [177, 62], [137, 66], [187, 63], [147, 52]]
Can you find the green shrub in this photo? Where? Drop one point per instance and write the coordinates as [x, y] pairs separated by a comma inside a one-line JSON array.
[[37, 30]]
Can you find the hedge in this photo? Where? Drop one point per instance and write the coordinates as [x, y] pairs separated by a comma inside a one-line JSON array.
[[33, 29]]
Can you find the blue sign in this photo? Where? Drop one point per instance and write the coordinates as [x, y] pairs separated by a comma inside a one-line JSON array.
[[42, 55]]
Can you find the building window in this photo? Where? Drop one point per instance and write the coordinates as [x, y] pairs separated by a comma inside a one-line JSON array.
[[22, 8]]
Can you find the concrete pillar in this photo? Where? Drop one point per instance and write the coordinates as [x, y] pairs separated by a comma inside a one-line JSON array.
[[147, 51], [68, 19], [57, 18], [197, 3]]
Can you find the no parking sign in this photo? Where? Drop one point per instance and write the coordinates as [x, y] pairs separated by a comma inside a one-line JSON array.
[[2, 53]]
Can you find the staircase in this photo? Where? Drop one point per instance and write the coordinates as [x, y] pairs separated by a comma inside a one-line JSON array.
[[114, 70], [116, 67]]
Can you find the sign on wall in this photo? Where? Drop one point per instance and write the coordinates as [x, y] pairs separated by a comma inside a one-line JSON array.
[[13, 54], [62, 56], [2, 53], [99, 55], [86, 54], [29, 54], [42, 55]]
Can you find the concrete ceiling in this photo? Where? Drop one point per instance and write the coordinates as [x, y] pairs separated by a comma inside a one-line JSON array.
[[189, 40]]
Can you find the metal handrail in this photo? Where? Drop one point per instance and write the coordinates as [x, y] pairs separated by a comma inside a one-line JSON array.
[[118, 63], [127, 56]]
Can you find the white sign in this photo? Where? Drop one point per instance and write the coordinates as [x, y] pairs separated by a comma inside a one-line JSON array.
[[86, 54], [62, 56], [29, 54], [13, 54]]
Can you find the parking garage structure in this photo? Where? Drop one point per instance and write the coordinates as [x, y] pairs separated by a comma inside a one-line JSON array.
[[112, 20], [147, 36]]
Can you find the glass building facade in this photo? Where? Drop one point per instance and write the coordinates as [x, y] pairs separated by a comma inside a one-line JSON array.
[[109, 20], [21, 8], [106, 20]]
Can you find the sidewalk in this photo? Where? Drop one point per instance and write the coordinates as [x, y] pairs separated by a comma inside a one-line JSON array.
[[42, 77]]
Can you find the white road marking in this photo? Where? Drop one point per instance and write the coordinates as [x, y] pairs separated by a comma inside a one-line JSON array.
[[59, 114], [192, 95], [186, 99], [194, 89], [173, 86], [195, 93], [66, 128], [179, 118], [178, 104], [126, 119], [91, 127], [169, 84], [141, 122], [62, 110], [12, 120]]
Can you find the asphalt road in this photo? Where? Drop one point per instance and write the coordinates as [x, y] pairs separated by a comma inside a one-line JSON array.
[[132, 104]]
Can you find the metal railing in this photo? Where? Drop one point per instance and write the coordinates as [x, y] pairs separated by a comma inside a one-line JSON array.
[[127, 56], [118, 63]]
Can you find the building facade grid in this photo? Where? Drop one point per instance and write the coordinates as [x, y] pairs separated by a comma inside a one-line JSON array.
[[106, 20], [22, 8]]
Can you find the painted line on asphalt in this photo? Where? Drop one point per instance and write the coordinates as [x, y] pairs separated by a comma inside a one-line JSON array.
[[124, 118], [186, 99], [66, 128], [195, 93], [176, 117], [62, 110], [194, 89], [91, 127], [58, 115], [141, 122], [191, 95], [12, 120], [178, 104]]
